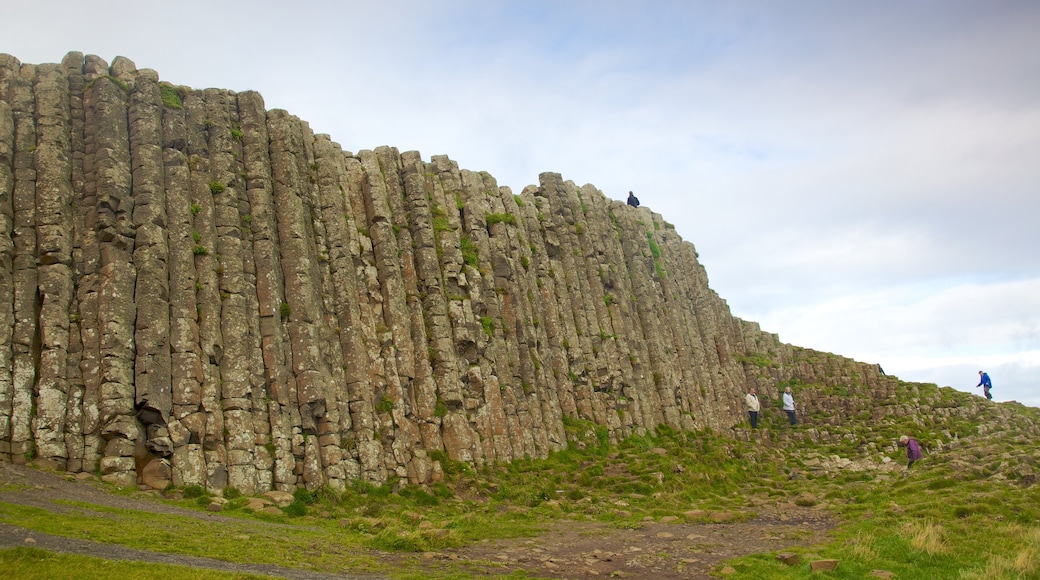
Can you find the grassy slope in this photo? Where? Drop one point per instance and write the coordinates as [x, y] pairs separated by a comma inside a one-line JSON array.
[[969, 510]]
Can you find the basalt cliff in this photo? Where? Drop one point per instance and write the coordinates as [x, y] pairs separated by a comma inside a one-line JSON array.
[[200, 291]]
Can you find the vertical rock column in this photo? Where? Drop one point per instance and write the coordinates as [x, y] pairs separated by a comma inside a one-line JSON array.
[[225, 138], [550, 356], [74, 436], [152, 373], [339, 292], [361, 331], [53, 162], [274, 459], [491, 380], [88, 261], [185, 421], [209, 421], [6, 258], [25, 338], [384, 298], [543, 321], [105, 104], [401, 297], [452, 338], [289, 168], [439, 352], [458, 387]]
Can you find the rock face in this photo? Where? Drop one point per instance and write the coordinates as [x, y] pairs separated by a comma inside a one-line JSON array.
[[204, 292]]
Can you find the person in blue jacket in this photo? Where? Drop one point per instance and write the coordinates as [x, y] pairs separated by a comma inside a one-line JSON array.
[[986, 384]]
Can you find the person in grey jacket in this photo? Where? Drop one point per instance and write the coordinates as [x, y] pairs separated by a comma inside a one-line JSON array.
[[789, 406]]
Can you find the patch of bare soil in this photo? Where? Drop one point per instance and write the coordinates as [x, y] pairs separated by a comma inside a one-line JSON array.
[[566, 549], [663, 551]]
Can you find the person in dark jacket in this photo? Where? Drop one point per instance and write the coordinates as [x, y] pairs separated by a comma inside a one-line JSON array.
[[986, 384], [913, 449], [633, 200]]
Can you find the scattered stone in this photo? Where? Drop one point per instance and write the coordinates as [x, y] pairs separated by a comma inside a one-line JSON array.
[[789, 559], [727, 570], [881, 574], [280, 498], [257, 503], [805, 499], [720, 517]]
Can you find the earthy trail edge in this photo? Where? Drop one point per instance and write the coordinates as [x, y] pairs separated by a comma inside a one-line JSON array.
[[41, 489], [567, 548]]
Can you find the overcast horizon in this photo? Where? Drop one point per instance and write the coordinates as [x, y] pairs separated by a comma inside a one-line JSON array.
[[859, 178]]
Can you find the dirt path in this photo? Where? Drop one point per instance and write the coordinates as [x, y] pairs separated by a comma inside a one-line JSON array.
[[567, 549], [663, 551]]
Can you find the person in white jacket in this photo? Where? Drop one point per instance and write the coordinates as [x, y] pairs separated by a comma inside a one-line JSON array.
[[753, 406], [789, 405]]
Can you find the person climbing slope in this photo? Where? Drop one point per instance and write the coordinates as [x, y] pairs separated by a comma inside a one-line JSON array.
[[913, 450], [986, 384]]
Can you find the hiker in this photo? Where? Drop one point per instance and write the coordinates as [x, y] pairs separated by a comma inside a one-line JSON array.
[[753, 406], [913, 449], [633, 200], [789, 405], [986, 384]]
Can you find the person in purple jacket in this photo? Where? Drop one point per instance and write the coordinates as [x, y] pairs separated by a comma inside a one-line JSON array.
[[913, 449]]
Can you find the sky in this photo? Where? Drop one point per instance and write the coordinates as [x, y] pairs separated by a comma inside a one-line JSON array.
[[861, 178]]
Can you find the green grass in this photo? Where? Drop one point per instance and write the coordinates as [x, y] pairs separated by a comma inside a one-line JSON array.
[[469, 251], [32, 563], [948, 517], [500, 218], [171, 96]]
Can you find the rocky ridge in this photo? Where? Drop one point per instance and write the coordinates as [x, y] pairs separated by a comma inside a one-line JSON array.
[[206, 292]]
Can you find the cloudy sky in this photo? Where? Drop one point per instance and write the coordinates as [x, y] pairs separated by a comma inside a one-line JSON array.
[[859, 177]]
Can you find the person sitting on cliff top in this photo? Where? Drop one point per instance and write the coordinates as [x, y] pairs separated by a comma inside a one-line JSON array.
[[633, 200]]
